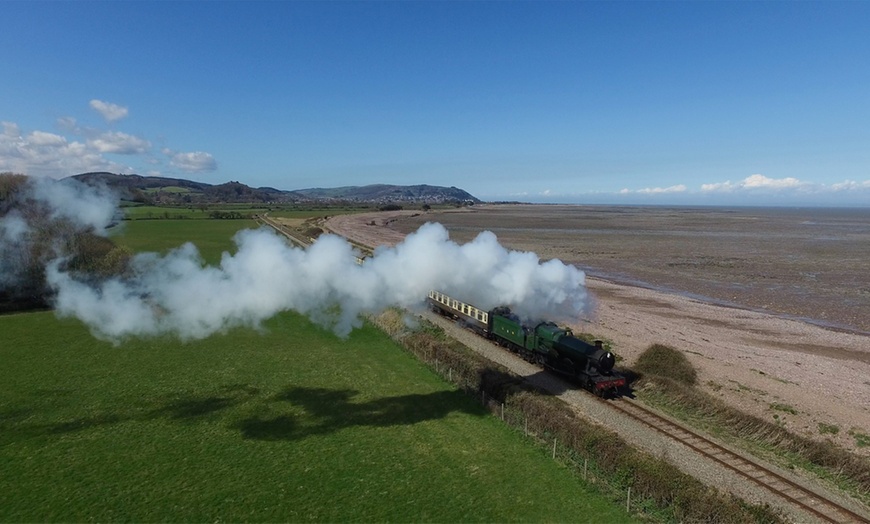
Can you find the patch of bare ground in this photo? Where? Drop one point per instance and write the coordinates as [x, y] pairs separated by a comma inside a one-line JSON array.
[[370, 229]]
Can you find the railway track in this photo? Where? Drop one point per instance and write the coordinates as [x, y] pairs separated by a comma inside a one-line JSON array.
[[294, 236], [799, 496], [807, 500]]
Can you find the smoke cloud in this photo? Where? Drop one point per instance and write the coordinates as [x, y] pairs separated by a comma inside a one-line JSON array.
[[177, 294], [81, 205], [38, 216]]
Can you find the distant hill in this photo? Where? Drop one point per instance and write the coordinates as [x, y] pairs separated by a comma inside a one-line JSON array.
[[164, 190], [389, 193]]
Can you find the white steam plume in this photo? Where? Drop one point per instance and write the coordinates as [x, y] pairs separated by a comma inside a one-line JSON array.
[[177, 294], [83, 205], [27, 212]]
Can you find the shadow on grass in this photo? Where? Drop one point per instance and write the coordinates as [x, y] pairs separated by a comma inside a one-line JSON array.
[[330, 410], [14, 425], [325, 411], [195, 407]]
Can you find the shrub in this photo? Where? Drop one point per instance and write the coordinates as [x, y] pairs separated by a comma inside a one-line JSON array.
[[828, 429], [665, 361]]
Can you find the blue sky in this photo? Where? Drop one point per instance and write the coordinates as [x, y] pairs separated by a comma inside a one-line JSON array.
[[587, 102]]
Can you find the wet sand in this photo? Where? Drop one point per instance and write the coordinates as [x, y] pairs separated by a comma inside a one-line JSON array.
[[812, 264]]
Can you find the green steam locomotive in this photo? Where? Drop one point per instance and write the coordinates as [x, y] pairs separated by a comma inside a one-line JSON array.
[[546, 344]]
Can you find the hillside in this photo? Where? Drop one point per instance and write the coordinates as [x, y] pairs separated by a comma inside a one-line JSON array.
[[164, 190], [389, 193]]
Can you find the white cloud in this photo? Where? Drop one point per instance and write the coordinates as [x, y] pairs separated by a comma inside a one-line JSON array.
[[111, 112], [11, 130], [68, 123], [851, 185], [44, 154], [773, 183], [848, 192], [756, 182], [41, 138], [120, 143], [76, 149], [720, 187], [193, 162], [680, 188]]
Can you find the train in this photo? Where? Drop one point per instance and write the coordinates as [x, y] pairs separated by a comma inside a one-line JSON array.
[[545, 343]]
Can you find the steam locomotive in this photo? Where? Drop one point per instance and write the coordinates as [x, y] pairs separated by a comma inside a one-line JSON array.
[[546, 344]]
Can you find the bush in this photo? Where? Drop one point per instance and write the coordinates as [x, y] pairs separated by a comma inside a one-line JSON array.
[[665, 361]]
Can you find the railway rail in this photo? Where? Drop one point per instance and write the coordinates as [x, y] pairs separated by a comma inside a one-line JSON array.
[[294, 236], [806, 499]]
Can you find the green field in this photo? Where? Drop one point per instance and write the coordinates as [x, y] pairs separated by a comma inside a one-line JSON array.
[[212, 237], [287, 424], [167, 189], [155, 212], [203, 212]]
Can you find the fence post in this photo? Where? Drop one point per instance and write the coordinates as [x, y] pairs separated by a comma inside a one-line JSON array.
[[502, 411], [554, 449], [450, 374], [628, 500], [526, 425], [585, 466]]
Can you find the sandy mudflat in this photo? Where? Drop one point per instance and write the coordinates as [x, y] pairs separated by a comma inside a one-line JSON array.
[[726, 287]]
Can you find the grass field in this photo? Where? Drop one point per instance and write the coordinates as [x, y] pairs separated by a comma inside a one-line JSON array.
[[167, 189], [138, 212], [156, 212], [288, 424], [212, 237]]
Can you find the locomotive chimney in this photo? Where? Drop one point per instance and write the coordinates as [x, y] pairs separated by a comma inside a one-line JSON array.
[[599, 344]]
